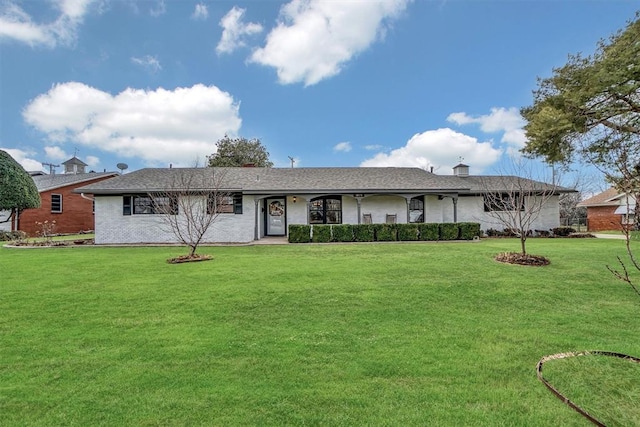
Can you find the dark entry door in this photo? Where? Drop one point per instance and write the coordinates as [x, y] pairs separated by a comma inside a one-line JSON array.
[[276, 218]]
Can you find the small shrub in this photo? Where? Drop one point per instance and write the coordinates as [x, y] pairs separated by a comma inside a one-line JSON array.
[[429, 231], [449, 231], [342, 233], [363, 233], [9, 236], [562, 231], [468, 230], [321, 234], [407, 232], [299, 233]]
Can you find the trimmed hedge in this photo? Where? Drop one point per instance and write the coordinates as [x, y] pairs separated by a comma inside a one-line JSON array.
[[321, 234], [468, 230], [407, 232], [386, 232], [383, 232], [299, 233], [342, 233], [449, 231], [364, 233], [429, 231]]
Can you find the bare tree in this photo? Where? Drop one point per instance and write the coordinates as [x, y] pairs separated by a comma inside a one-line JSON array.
[[191, 204], [516, 200]]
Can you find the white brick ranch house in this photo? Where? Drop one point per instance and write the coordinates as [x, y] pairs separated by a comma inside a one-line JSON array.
[[263, 202]]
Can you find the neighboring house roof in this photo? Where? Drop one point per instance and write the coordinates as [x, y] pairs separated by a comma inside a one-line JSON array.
[[302, 180], [51, 182], [606, 198]]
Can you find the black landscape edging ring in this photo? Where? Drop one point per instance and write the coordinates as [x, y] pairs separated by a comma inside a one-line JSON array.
[[576, 354]]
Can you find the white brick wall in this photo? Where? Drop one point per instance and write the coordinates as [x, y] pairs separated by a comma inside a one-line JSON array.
[[112, 227]]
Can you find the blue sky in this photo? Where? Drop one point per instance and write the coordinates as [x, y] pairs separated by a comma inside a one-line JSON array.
[[329, 83]]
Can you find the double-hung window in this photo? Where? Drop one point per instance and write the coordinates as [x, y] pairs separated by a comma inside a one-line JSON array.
[[148, 205], [56, 203], [503, 202], [224, 203]]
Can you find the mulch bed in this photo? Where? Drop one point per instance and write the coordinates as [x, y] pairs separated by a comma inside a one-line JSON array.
[[522, 259], [189, 258]]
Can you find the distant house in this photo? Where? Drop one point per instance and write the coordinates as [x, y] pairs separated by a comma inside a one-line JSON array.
[[263, 202], [609, 210], [72, 212]]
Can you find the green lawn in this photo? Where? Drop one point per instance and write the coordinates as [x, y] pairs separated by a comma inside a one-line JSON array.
[[353, 334]]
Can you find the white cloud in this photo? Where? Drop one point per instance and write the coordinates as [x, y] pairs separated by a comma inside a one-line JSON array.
[[56, 153], [24, 158], [159, 9], [234, 31], [509, 121], [373, 147], [92, 160], [148, 62], [18, 25], [200, 12], [441, 148], [160, 126], [314, 39], [342, 146]]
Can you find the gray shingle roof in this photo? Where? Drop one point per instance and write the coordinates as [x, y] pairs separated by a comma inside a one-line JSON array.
[[292, 180], [51, 182]]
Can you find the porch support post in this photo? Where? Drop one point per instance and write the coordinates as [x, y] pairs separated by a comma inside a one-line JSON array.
[[256, 205], [455, 208], [408, 200], [359, 209]]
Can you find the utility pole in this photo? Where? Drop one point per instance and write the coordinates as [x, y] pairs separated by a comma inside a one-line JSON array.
[[52, 168]]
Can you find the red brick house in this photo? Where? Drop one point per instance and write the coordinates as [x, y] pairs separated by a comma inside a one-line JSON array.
[[71, 211], [609, 210]]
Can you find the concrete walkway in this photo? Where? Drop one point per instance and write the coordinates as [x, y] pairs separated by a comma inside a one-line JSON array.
[[610, 236]]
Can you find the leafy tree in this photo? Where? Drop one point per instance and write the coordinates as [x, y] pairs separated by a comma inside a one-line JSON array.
[[237, 152], [17, 189], [590, 108]]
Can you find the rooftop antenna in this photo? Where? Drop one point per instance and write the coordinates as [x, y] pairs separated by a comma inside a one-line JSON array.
[[292, 160], [122, 167], [75, 152], [52, 168], [461, 159]]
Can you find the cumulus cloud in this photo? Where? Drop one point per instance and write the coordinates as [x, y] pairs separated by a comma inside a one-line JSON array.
[[314, 39], [17, 24], [508, 121], [234, 31], [24, 158], [200, 12], [373, 147], [56, 153], [439, 148], [159, 126], [148, 62], [342, 146]]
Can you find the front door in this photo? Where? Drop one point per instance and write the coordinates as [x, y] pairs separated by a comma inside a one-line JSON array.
[[276, 218]]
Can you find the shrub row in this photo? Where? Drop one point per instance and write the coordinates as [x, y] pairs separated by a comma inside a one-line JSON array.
[[383, 232]]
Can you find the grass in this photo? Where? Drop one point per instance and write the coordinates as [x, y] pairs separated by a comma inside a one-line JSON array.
[[354, 334]]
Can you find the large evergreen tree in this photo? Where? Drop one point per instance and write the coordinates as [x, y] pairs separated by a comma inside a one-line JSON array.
[[238, 152], [17, 189], [589, 109]]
